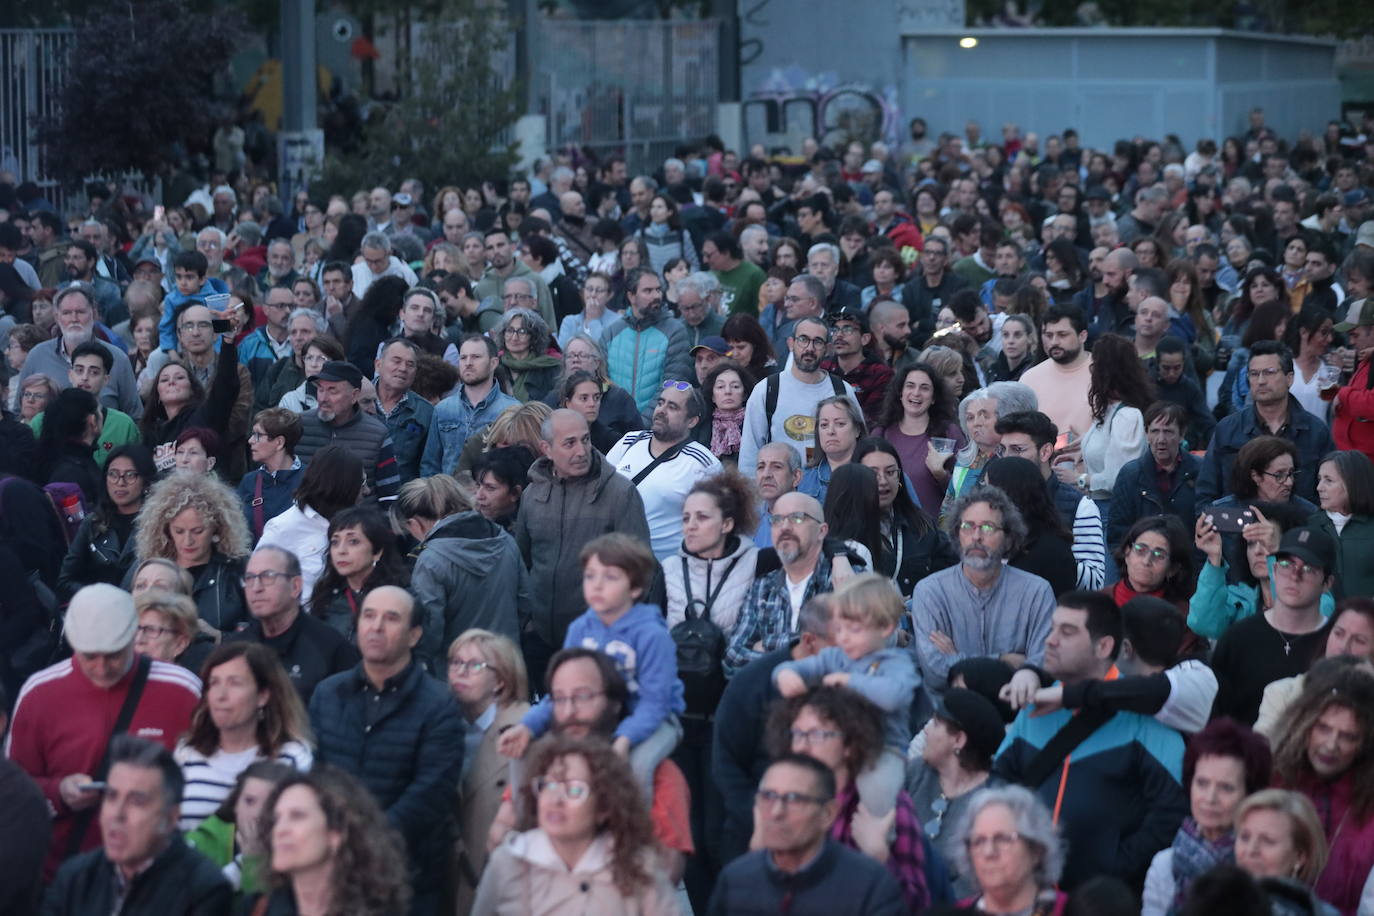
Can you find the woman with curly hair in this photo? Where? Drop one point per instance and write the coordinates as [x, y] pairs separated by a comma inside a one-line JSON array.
[[330, 850], [197, 522], [586, 836], [916, 409], [363, 554]]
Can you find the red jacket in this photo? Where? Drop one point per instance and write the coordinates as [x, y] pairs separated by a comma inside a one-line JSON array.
[[1352, 426], [62, 723], [904, 233]]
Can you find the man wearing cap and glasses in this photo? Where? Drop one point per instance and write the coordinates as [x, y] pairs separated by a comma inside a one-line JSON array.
[[1352, 419], [707, 355], [852, 361], [63, 717], [340, 420]]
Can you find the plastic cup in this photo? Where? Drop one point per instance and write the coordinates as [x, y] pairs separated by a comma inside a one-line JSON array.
[[942, 445]]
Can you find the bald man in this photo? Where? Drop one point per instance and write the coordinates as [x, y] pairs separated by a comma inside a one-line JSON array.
[[768, 620], [1151, 324]]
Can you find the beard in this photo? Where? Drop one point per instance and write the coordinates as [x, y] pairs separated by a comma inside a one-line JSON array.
[[978, 563], [1064, 357], [76, 337], [602, 726]]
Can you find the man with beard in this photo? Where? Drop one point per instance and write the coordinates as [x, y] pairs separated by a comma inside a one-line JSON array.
[[856, 364], [281, 266], [340, 420], [980, 607], [1090, 298], [1114, 314], [890, 325], [645, 347], [502, 265], [931, 288], [468, 410], [783, 407], [664, 463], [74, 306], [1061, 382], [81, 260]]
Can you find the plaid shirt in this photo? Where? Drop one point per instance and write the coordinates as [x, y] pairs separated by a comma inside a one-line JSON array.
[[767, 615], [870, 379], [906, 860]]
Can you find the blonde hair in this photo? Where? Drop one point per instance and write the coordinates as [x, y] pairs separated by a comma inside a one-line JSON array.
[[178, 610], [1308, 837], [218, 506], [870, 599], [518, 424], [430, 498], [185, 582], [502, 657]]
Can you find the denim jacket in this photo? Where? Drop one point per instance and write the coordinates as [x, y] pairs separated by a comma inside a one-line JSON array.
[[454, 420]]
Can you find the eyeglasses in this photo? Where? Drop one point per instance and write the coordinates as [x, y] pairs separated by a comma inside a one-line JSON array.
[[793, 300], [793, 518], [258, 434], [1298, 568], [581, 698], [814, 736], [997, 842], [122, 476], [809, 343], [267, 577], [676, 385], [572, 791], [153, 631], [515, 297], [1271, 372], [470, 667], [518, 332], [767, 798], [984, 528], [1281, 476], [845, 330], [32, 396], [1150, 555], [197, 325]]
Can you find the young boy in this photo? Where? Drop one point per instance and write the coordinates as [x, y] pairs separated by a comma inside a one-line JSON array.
[[867, 611], [188, 269], [616, 571]]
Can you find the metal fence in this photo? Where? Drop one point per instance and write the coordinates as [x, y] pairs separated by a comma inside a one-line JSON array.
[[33, 63], [636, 87]]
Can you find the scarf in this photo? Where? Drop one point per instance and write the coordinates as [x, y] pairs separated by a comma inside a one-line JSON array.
[[726, 426], [1195, 854], [906, 859], [520, 371], [1122, 592]]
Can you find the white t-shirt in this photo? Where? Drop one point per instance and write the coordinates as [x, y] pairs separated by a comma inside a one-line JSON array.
[[796, 593], [794, 420], [665, 488]]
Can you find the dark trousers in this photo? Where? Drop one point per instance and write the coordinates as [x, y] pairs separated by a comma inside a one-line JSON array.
[[693, 757]]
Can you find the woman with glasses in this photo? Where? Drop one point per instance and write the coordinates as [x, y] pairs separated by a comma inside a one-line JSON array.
[[844, 731], [168, 629], [526, 354], [1007, 841], [1155, 558], [961, 739], [267, 490], [103, 548], [595, 317], [318, 352], [585, 836], [486, 673], [616, 413], [1345, 489]]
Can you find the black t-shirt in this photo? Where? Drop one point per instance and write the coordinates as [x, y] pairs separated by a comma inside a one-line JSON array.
[[1251, 655], [310, 650]]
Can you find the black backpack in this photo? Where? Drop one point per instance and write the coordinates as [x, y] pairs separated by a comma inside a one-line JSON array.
[[700, 648]]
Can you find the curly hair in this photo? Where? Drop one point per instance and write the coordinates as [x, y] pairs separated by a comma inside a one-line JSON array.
[[1117, 374], [734, 495], [1332, 682], [217, 504], [369, 868], [941, 403], [1015, 530], [859, 721], [620, 809]]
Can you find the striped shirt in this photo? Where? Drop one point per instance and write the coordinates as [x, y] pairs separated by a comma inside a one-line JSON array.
[[209, 780]]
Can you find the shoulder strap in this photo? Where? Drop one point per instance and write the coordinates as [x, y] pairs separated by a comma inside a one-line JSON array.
[[126, 715], [1074, 733], [687, 590], [666, 456], [258, 513], [770, 405], [837, 383]]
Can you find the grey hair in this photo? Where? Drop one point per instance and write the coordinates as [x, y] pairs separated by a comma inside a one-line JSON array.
[[825, 246], [674, 162], [249, 231], [321, 323], [378, 240], [1033, 824], [225, 189], [752, 229], [702, 284], [279, 242], [289, 559], [539, 331], [600, 372], [1011, 397], [814, 288], [1013, 524], [650, 183], [1155, 194], [529, 284], [214, 231], [562, 173], [1174, 169], [76, 286], [794, 461]]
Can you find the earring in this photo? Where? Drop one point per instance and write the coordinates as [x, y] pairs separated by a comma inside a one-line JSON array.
[[374, 562], [214, 539], [262, 713]]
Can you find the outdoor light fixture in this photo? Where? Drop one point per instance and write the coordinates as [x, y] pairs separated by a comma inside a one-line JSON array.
[[968, 42]]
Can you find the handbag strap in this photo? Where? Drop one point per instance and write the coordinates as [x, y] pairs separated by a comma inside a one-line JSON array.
[[259, 522], [669, 455], [126, 716], [1058, 748]]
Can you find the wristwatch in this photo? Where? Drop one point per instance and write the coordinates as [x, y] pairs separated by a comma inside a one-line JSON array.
[[1083, 482]]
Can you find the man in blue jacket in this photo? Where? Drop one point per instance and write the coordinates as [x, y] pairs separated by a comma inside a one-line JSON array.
[[400, 732], [1163, 481]]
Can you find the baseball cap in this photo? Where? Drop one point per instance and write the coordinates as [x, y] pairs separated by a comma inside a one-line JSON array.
[[1315, 548], [715, 343], [986, 677], [1366, 234], [101, 619], [1355, 197], [975, 716], [401, 200], [872, 165], [338, 370], [149, 259], [1361, 315]]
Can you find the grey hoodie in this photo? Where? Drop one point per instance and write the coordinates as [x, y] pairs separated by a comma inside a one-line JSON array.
[[468, 574]]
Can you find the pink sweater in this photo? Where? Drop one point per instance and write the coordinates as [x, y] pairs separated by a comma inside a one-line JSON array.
[[1063, 394]]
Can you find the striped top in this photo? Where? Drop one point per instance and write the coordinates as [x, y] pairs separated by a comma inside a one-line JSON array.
[[209, 780]]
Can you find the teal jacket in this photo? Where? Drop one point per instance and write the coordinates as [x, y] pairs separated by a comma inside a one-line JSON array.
[[641, 354], [1354, 571], [1216, 605]]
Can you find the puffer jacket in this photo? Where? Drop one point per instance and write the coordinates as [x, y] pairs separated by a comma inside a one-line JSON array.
[[721, 584], [96, 554], [642, 353], [557, 518], [180, 881], [469, 574], [405, 744]]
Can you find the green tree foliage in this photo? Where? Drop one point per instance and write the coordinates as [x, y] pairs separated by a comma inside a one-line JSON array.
[[139, 86], [450, 123]]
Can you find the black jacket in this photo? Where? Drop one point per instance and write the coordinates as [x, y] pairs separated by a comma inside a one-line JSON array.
[[180, 882], [920, 554], [73, 463], [923, 302], [23, 842], [96, 554], [310, 650], [838, 882]]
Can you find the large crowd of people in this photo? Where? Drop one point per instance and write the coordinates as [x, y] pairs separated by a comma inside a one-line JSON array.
[[976, 525]]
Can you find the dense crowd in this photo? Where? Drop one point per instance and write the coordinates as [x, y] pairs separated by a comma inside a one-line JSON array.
[[974, 526]]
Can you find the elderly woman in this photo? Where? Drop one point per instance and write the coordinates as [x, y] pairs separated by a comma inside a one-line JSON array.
[[316, 353], [168, 628], [617, 412], [1007, 841], [486, 673], [585, 837], [526, 354], [844, 731], [979, 412], [1223, 764], [35, 394], [197, 522], [23, 338], [1279, 841]]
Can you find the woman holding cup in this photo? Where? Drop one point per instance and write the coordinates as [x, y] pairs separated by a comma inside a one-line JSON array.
[[915, 419]]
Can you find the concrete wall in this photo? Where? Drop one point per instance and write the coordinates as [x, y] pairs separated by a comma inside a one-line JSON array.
[[1119, 83]]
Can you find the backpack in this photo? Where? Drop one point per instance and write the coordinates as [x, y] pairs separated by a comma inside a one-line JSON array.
[[700, 645], [771, 386], [69, 504]]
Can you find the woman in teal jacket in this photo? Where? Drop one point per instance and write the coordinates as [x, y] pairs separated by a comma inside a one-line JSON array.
[[1345, 490]]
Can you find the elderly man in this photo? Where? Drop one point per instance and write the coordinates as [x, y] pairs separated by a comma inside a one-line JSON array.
[[753, 241], [75, 309], [62, 719], [281, 266], [778, 470], [143, 865], [378, 261], [407, 415], [695, 309], [981, 607], [340, 420], [823, 263]]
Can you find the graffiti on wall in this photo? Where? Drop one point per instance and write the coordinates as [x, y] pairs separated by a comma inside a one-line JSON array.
[[792, 104]]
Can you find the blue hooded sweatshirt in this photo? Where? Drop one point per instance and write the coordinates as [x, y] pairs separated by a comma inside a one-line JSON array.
[[167, 326]]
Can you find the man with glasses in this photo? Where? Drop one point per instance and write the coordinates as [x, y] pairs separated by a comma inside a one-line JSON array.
[[932, 287], [852, 361], [75, 308], [269, 342], [799, 868], [502, 265], [310, 649], [1275, 412], [783, 408], [982, 607], [646, 346], [664, 463]]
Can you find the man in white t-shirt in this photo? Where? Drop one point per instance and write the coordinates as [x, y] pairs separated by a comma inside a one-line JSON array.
[[794, 394], [664, 463]]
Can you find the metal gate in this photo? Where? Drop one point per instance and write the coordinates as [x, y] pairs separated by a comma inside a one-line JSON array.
[[639, 87], [33, 63]]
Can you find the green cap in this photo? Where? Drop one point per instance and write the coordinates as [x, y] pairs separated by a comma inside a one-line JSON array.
[[1362, 311]]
